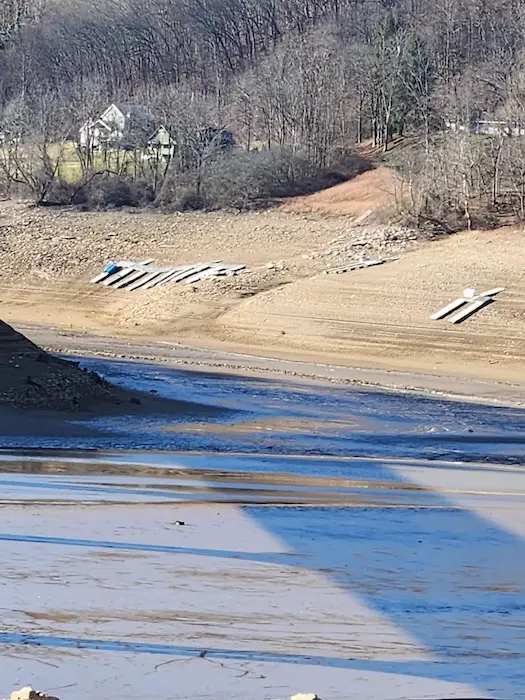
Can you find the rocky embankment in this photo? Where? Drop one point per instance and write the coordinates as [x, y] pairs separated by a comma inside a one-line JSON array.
[[32, 378]]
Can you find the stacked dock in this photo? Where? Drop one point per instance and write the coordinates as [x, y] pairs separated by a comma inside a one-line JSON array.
[[130, 275]]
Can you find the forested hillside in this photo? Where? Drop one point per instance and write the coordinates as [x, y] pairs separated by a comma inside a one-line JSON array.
[[310, 76]]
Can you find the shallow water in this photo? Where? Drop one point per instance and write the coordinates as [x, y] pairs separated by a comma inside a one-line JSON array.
[[348, 542]]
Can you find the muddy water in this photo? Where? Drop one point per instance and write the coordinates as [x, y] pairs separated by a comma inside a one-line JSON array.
[[318, 538]]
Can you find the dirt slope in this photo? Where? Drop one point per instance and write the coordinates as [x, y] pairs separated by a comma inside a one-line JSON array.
[[380, 317], [44, 385], [282, 305], [32, 378], [49, 256], [13, 343], [44, 244], [372, 191]]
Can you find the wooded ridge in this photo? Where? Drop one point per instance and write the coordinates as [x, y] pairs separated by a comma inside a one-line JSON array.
[[313, 77]]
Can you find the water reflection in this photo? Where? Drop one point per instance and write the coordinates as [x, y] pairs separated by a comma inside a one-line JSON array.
[[371, 497]]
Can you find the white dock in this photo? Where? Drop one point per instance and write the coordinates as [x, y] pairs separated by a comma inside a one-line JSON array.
[[131, 276], [467, 305]]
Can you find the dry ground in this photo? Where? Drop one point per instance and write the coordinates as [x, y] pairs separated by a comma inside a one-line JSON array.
[[283, 305], [373, 190], [31, 378], [380, 317]]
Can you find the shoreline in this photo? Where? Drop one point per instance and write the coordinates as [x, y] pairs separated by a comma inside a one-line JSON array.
[[212, 360], [283, 317]]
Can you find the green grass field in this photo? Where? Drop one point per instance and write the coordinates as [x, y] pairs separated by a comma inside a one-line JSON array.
[[70, 167]]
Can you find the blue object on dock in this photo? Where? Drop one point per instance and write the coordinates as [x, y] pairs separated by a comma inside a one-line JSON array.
[[111, 268]]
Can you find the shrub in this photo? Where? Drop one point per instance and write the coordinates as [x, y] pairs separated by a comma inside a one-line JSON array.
[[108, 191], [237, 180], [247, 179], [113, 191], [59, 193]]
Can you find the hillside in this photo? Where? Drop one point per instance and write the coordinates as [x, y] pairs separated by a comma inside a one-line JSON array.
[[260, 100], [380, 317], [371, 192]]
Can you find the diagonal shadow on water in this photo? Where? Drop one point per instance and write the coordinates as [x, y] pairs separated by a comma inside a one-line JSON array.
[[59, 642], [264, 557], [448, 578]]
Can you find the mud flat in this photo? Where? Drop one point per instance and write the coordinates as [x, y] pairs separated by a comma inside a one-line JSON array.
[[376, 553], [107, 602]]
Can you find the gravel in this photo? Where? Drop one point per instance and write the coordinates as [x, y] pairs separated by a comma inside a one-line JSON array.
[[32, 378]]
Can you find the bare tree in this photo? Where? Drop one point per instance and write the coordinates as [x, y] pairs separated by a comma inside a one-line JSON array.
[[35, 135]]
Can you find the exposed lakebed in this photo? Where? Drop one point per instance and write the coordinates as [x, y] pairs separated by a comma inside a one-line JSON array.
[[309, 537]]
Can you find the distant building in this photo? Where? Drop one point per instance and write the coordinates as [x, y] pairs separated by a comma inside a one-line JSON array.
[[160, 145], [218, 137], [130, 127], [486, 127], [121, 125], [204, 142]]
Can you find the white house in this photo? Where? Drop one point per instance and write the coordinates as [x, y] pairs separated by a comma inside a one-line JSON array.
[[121, 125], [160, 145]]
